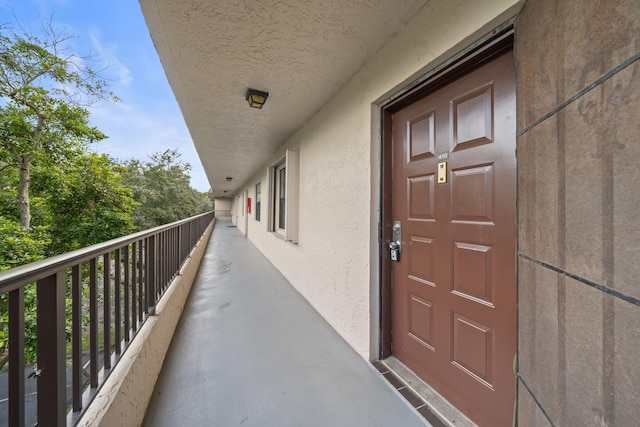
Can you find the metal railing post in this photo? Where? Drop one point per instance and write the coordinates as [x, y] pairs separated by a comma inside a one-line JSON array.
[[16, 357], [118, 301], [51, 350], [144, 266], [76, 338], [106, 310], [93, 322], [151, 275], [142, 276], [127, 294]]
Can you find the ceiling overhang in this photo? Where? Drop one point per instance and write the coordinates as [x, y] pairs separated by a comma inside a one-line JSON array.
[[301, 52]]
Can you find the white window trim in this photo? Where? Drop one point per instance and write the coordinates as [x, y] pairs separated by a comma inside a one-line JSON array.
[[277, 195], [257, 214], [292, 178]]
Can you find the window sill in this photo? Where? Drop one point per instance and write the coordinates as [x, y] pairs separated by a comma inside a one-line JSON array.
[[278, 234]]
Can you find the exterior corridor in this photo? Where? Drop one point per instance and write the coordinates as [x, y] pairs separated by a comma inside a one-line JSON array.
[[250, 351]]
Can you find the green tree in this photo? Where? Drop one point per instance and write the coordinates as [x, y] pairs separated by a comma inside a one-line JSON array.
[[20, 245], [162, 188], [86, 201], [44, 92]]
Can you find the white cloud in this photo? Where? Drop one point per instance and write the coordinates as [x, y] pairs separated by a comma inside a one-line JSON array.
[[108, 52], [147, 120], [136, 132]]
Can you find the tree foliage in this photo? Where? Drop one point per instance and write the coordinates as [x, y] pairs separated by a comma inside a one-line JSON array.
[[55, 194], [44, 92], [86, 201], [20, 245], [162, 188]]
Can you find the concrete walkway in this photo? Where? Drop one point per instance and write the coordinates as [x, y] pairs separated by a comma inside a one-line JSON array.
[[250, 351]]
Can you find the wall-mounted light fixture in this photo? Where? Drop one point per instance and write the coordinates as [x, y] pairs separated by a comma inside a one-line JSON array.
[[229, 178], [256, 98]]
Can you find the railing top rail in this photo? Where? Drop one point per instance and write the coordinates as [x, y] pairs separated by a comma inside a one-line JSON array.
[[14, 278]]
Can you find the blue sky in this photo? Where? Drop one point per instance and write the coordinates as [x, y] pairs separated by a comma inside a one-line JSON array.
[[147, 119]]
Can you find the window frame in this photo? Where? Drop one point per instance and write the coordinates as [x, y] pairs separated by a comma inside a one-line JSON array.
[[258, 196], [276, 177], [283, 211]]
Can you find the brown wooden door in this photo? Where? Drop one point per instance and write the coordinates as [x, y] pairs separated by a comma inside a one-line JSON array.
[[454, 289]]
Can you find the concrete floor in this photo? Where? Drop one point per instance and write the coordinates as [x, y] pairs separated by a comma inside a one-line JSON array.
[[250, 351]]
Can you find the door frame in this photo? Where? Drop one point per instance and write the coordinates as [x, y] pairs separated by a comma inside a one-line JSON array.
[[498, 42], [246, 212]]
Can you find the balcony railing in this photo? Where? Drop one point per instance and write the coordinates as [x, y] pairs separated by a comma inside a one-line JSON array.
[[109, 289]]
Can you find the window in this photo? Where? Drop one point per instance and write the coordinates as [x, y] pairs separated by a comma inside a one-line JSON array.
[[258, 194], [279, 197], [283, 193]]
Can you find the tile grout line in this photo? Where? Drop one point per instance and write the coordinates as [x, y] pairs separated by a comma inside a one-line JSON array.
[[410, 390], [628, 298], [582, 92]]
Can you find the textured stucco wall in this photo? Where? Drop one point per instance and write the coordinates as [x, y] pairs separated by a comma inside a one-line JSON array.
[[579, 198], [331, 266], [222, 204], [124, 397]]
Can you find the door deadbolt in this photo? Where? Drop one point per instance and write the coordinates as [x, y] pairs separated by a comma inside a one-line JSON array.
[[442, 172], [396, 244]]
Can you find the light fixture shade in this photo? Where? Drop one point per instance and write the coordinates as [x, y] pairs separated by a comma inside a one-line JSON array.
[[256, 98]]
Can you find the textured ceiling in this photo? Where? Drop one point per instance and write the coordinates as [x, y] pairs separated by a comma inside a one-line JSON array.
[[300, 51]]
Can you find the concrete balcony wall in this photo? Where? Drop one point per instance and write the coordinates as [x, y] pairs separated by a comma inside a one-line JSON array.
[[124, 397], [334, 265]]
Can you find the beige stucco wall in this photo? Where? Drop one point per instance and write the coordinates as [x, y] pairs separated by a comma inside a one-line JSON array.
[[124, 397], [334, 264], [222, 206]]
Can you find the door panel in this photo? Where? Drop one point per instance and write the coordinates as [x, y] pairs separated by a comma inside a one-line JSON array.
[[454, 289]]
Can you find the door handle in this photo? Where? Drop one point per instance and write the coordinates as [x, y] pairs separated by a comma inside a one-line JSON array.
[[396, 244], [397, 234]]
